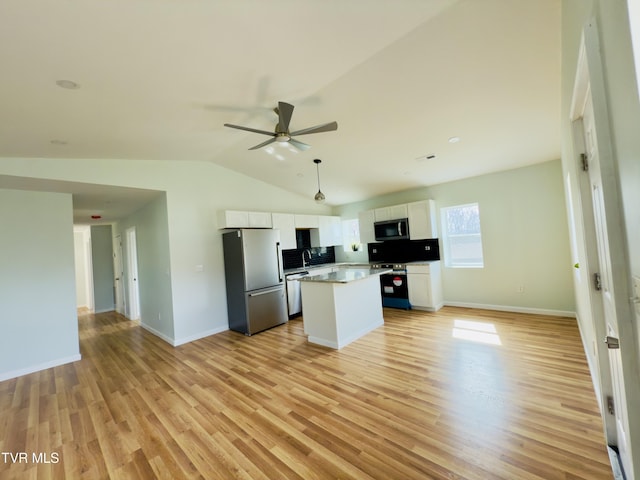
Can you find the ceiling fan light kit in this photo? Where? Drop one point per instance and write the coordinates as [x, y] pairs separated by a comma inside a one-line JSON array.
[[282, 134]]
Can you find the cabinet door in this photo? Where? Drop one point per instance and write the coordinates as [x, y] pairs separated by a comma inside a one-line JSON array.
[[398, 211], [233, 219], [391, 213], [382, 214], [306, 221], [330, 230], [285, 222], [365, 224], [259, 219], [420, 290], [422, 224]]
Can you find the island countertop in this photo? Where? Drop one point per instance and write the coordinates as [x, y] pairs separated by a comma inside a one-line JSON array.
[[345, 275]]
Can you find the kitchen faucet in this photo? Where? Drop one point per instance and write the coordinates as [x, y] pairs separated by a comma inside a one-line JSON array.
[[303, 252]]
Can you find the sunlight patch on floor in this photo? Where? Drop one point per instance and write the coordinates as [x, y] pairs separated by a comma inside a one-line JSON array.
[[481, 332]]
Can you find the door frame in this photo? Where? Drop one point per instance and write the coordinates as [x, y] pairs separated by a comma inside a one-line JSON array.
[[118, 269], [589, 82], [133, 292]]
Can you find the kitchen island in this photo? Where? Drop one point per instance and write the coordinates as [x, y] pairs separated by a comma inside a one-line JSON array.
[[341, 306]]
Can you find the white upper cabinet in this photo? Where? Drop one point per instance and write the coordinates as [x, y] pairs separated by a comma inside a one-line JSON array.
[[285, 222], [241, 219], [422, 220], [391, 213], [306, 221], [329, 232], [365, 223]]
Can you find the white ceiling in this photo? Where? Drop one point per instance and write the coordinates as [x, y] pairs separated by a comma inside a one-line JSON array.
[[159, 78]]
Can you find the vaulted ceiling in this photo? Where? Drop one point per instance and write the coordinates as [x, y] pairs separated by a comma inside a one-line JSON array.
[[157, 79]]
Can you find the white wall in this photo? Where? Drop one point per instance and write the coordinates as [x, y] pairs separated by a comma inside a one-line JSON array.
[[82, 252], [194, 192], [524, 234], [38, 323], [102, 268], [154, 266]]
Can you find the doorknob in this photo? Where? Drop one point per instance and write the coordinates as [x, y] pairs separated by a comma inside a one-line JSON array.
[[612, 342]]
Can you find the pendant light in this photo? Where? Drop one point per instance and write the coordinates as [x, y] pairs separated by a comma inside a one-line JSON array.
[[319, 196]]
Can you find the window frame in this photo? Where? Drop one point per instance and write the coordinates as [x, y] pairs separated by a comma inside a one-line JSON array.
[[449, 260]]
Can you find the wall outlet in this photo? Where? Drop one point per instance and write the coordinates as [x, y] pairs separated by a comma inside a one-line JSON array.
[[520, 289]]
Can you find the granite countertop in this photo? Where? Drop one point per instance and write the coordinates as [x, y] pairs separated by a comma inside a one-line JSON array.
[[345, 275], [310, 268]]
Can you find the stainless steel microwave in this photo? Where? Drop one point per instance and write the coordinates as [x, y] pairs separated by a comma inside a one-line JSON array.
[[392, 229]]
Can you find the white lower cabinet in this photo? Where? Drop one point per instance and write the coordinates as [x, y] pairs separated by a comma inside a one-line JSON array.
[[425, 286]]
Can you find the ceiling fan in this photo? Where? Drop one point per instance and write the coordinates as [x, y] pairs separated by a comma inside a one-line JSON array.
[[282, 134]]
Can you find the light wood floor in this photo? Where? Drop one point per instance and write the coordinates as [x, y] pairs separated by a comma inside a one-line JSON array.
[[407, 401]]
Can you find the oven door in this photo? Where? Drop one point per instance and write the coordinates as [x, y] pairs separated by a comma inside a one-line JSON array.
[[394, 290]]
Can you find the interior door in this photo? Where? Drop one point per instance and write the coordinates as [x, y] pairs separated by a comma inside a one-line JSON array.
[[603, 281], [118, 268], [132, 275]]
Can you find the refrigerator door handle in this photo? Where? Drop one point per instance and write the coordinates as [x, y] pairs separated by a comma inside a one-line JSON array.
[[265, 292], [279, 257]]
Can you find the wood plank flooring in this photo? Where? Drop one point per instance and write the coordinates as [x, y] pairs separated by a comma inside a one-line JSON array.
[[419, 398]]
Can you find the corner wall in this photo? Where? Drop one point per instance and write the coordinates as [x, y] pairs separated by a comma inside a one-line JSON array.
[[38, 325]]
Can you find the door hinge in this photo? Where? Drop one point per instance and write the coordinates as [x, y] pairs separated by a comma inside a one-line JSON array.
[[597, 281], [612, 343], [584, 161], [612, 410]]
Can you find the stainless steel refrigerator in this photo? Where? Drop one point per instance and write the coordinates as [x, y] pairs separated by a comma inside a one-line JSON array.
[[256, 297]]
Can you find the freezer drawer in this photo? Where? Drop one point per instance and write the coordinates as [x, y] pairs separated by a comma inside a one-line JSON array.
[[266, 308]]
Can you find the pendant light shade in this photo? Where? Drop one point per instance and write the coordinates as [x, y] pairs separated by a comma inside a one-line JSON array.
[[319, 197]]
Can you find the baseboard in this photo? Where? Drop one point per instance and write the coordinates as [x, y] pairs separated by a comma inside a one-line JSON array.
[[181, 341], [511, 308], [37, 368], [155, 332], [198, 336], [104, 310]]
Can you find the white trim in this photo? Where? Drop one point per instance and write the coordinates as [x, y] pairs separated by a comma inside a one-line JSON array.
[[37, 368], [181, 341], [198, 336], [105, 310], [157, 333], [511, 308]]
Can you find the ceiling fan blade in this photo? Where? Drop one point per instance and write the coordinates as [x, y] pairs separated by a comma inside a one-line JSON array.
[[271, 140], [285, 111], [254, 130], [327, 127], [299, 145]]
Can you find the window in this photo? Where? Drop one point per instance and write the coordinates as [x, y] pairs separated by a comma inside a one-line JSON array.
[[351, 235], [461, 236]]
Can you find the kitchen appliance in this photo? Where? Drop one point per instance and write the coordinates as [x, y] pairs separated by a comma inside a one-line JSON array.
[[254, 279], [392, 230], [294, 298], [393, 285]]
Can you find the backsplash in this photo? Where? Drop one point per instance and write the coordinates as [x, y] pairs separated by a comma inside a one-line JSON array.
[[319, 255]]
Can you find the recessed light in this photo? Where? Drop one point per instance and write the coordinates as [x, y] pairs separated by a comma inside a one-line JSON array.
[[454, 139], [68, 84]]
